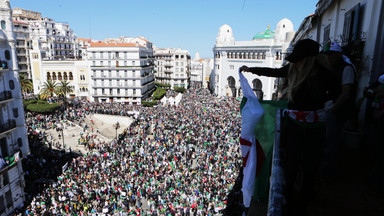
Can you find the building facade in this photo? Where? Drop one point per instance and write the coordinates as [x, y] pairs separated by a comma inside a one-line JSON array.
[[23, 45], [56, 39], [13, 134], [172, 67], [121, 72], [357, 26], [266, 49]]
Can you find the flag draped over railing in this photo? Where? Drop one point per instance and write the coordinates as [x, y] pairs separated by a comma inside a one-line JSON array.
[[251, 112]]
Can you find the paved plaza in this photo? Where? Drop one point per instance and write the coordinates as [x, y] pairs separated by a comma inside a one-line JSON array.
[[100, 125]]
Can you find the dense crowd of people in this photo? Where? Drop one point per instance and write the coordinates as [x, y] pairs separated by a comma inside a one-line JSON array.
[[177, 160]]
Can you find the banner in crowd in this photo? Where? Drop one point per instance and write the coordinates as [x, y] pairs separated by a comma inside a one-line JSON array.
[[251, 112], [65, 166]]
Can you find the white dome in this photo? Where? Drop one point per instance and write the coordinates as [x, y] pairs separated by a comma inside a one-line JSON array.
[[225, 36], [282, 28]]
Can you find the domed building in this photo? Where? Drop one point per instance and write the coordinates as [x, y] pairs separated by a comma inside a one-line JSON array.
[[266, 49]]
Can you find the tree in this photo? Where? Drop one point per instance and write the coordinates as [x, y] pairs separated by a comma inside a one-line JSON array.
[[63, 88], [49, 89], [26, 84]]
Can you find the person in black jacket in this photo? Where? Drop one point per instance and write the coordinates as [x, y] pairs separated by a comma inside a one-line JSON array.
[[308, 89]]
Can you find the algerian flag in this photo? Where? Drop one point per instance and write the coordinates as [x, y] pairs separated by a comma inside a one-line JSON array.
[[251, 112]]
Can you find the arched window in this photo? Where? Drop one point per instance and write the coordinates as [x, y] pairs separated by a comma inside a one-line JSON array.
[[71, 76], [3, 24], [59, 76], [7, 55], [54, 76], [65, 76], [232, 86], [48, 76], [257, 88], [11, 84]]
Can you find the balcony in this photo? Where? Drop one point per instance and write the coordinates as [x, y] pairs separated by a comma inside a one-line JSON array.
[[5, 95], [9, 125]]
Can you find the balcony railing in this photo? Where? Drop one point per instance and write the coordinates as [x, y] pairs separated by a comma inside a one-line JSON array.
[[5, 95], [10, 124]]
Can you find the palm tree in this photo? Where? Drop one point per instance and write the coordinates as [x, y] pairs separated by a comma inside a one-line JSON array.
[[49, 89], [64, 88], [26, 84]]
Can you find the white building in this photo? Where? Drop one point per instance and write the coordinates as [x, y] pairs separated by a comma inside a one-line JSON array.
[[201, 70], [197, 69], [267, 49], [56, 39], [76, 72], [23, 45], [13, 134], [121, 72], [172, 66]]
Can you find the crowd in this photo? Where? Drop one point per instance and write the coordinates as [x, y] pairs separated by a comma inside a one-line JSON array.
[[172, 160]]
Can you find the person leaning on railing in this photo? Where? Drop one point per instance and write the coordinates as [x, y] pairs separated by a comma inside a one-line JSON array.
[[303, 136]]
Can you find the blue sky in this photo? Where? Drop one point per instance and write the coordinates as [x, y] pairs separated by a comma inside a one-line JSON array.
[[186, 24]]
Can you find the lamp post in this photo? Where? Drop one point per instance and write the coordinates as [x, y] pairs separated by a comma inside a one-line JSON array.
[[116, 126]]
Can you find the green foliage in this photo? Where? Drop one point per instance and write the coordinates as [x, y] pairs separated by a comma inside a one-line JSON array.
[[159, 93], [149, 103], [179, 89], [43, 107], [162, 85], [27, 102]]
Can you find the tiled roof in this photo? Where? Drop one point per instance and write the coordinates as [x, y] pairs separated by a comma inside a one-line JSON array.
[[15, 21], [84, 39]]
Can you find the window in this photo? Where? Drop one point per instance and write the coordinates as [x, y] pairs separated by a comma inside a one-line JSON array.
[[3, 24], [8, 198], [7, 55], [65, 76], [177, 63], [327, 31], [71, 76], [181, 63], [2, 206], [15, 112], [134, 91], [231, 67], [133, 74], [11, 84], [101, 63], [133, 63], [133, 82], [351, 29], [101, 55], [4, 147]]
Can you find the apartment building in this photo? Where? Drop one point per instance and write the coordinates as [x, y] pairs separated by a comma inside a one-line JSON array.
[[172, 66], [13, 134], [23, 45], [56, 39], [121, 72]]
